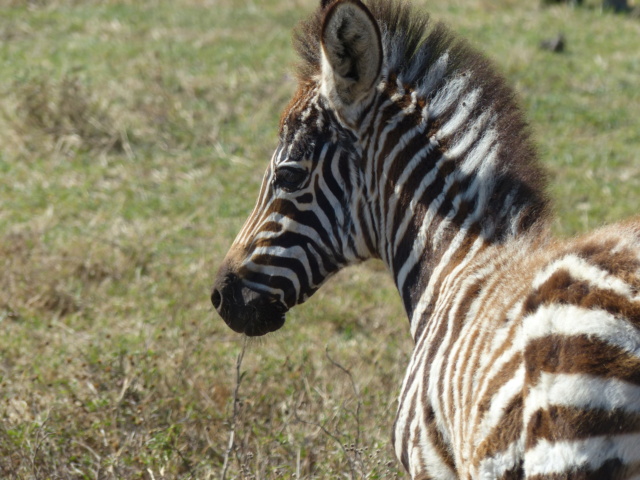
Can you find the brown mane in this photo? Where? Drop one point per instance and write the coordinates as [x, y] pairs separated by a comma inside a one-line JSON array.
[[411, 44]]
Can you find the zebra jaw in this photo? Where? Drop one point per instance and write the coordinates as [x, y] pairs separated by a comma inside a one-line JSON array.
[[246, 310]]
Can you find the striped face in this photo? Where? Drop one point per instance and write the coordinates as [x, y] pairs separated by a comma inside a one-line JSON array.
[[312, 217], [301, 230]]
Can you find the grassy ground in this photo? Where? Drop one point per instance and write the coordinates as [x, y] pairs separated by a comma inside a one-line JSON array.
[[133, 137]]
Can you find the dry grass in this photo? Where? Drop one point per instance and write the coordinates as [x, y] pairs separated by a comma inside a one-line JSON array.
[[66, 113], [134, 136]]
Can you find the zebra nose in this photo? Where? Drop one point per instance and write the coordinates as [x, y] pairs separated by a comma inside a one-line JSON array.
[[216, 298]]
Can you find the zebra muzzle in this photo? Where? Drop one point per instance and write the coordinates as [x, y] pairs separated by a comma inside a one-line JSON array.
[[246, 310]]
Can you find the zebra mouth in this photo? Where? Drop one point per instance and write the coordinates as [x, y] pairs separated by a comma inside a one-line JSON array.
[[248, 311]]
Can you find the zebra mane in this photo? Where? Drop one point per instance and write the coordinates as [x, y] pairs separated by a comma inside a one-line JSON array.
[[411, 45]]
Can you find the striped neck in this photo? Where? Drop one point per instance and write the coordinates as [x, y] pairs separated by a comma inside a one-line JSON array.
[[444, 178]]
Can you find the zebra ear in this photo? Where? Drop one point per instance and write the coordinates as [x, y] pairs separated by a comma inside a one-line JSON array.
[[351, 54]]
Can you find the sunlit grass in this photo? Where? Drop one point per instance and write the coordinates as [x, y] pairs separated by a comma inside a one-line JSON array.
[[134, 136]]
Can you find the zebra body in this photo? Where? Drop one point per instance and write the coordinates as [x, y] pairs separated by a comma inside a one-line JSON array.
[[530, 366], [403, 144]]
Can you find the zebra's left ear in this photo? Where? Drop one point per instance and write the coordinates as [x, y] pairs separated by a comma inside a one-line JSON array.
[[351, 54]]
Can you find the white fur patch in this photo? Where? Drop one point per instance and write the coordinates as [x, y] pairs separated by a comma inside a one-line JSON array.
[[447, 95], [547, 457], [495, 467], [573, 320], [581, 391]]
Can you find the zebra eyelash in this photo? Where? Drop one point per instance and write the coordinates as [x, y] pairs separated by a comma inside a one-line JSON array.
[[289, 178]]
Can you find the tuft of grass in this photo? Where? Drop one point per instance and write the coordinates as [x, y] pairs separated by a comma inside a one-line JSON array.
[[67, 113], [134, 138]]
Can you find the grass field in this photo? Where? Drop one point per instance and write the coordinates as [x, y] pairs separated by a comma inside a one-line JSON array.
[[133, 137]]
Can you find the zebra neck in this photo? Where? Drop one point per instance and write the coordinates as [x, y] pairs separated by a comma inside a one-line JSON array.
[[442, 185], [446, 249]]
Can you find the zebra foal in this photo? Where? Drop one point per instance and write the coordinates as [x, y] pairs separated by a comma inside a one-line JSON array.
[[403, 144]]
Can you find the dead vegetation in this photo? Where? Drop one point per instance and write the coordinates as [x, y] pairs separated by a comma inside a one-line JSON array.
[[38, 281], [67, 113], [127, 168]]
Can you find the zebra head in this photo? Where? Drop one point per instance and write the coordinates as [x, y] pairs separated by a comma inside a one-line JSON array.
[[310, 219]]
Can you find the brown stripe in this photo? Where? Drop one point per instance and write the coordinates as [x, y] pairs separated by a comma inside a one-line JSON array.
[[562, 288], [623, 264], [515, 473], [418, 446], [579, 354], [458, 257], [423, 476], [300, 96], [406, 434], [460, 365], [612, 469], [469, 295], [501, 377], [506, 432], [507, 371], [558, 423], [631, 470], [437, 440]]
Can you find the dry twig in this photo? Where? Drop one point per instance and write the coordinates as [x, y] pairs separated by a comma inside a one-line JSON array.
[[234, 416]]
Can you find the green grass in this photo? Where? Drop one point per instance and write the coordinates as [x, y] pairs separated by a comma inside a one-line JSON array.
[[134, 137]]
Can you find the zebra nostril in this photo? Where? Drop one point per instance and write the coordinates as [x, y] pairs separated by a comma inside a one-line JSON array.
[[216, 298]]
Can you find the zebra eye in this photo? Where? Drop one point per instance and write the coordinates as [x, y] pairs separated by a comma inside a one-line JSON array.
[[289, 179]]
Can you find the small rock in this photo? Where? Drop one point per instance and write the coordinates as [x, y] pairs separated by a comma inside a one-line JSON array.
[[555, 44]]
